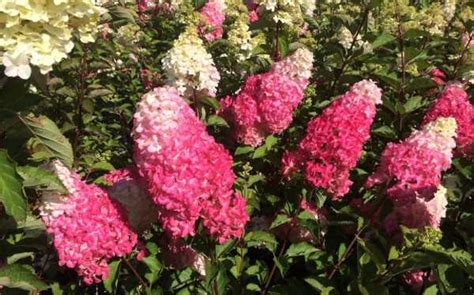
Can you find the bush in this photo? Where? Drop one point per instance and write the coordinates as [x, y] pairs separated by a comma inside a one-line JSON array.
[[236, 147]]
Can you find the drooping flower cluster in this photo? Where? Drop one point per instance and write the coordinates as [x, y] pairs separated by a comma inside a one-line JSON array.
[[189, 175], [39, 33], [334, 140], [453, 102], [403, 166], [417, 214], [189, 67], [88, 227], [266, 102], [213, 15]]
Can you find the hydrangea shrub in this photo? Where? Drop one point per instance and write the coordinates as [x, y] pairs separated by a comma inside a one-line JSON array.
[[236, 147]]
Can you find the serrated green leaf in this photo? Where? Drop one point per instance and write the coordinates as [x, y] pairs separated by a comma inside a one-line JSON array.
[[39, 178], [11, 191], [50, 137], [18, 276]]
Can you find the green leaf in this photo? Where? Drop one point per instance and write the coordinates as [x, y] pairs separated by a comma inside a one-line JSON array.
[[241, 150], [261, 238], [39, 178], [385, 131], [451, 277], [420, 83], [375, 253], [210, 101], [413, 104], [113, 271], [50, 137], [431, 290], [122, 14], [393, 253], [279, 220], [459, 257], [19, 256], [20, 277], [301, 249], [283, 45], [103, 166], [321, 198], [382, 39], [155, 267], [217, 121], [56, 289], [11, 191]]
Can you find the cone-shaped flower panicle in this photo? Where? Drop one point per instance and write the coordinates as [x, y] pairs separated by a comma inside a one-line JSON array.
[[189, 67], [412, 168], [266, 102], [188, 175], [88, 227], [334, 140], [213, 17], [418, 214], [453, 102], [297, 66]]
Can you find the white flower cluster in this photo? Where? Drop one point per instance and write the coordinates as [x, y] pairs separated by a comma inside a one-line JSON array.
[[240, 38], [39, 32], [288, 11], [189, 67], [298, 66], [346, 38], [449, 8]]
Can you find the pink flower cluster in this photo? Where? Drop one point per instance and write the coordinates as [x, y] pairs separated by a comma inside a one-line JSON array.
[[416, 279], [253, 13], [189, 175], [88, 227], [266, 102], [214, 17], [417, 214], [454, 102], [334, 140], [124, 174], [412, 168]]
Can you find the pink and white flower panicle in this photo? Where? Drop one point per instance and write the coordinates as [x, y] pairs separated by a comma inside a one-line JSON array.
[[334, 140], [88, 227], [403, 165], [189, 175], [453, 102], [213, 18], [266, 102]]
